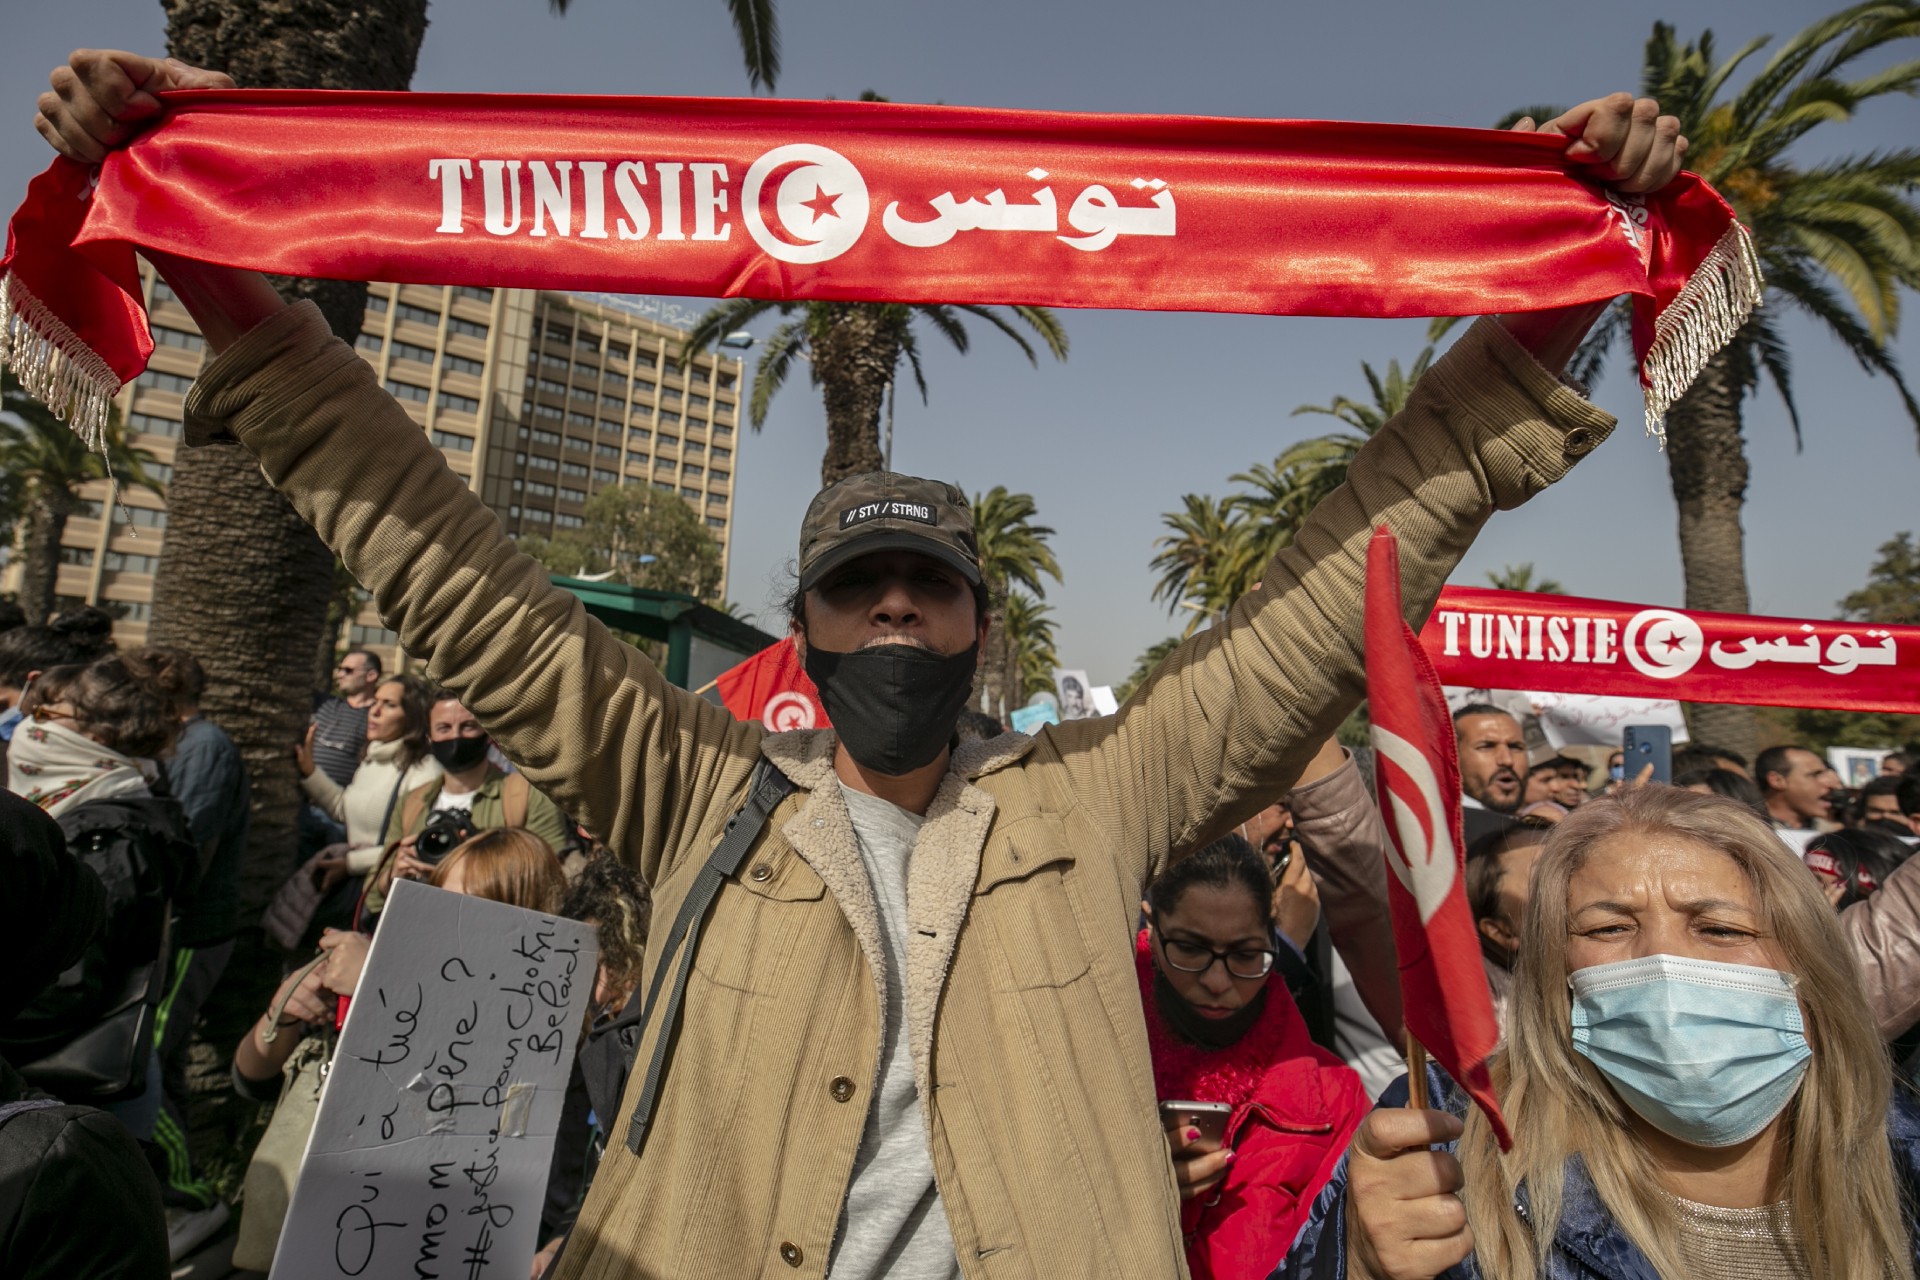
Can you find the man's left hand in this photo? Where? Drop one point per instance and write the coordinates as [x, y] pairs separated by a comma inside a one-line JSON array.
[[1626, 142]]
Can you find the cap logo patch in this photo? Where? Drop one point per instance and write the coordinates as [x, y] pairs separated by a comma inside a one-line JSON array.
[[921, 511]]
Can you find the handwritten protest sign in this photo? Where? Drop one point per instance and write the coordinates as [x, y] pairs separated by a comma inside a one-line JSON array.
[[429, 1155]]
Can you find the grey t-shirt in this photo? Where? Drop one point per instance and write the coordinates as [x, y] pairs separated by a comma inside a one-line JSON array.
[[893, 1225]]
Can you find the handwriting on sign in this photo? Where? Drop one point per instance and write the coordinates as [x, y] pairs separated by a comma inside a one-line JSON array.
[[430, 1153], [1842, 655], [1095, 213]]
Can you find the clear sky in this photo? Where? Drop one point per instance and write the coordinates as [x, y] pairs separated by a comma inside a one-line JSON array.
[[1153, 405]]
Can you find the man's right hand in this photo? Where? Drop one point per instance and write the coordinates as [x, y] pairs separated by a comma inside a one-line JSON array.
[[1404, 1220], [102, 97]]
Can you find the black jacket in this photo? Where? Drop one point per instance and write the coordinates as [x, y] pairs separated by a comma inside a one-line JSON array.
[[76, 1196]]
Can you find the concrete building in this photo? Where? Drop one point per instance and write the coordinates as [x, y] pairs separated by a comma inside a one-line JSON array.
[[536, 399]]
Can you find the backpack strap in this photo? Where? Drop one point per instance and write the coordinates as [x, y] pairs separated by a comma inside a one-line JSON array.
[[516, 796], [765, 790]]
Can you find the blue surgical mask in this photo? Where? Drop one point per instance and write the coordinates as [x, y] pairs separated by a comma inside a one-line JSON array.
[[1709, 1053], [1617, 772]]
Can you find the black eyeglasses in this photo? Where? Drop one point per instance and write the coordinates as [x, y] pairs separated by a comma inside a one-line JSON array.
[[1241, 962]]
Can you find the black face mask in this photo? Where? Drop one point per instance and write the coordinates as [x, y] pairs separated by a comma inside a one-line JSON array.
[[457, 755], [893, 705]]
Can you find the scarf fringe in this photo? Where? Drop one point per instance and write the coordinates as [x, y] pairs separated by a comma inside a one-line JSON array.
[[1717, 299], [54, 366]]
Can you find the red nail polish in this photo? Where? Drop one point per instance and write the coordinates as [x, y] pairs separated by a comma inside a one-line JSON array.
[[1230, 1156], [1193, 1135]]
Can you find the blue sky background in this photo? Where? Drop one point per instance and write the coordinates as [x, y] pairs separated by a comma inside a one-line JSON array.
[[1153, 405]]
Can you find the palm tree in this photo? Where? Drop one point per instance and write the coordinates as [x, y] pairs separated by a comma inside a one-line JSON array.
[[1837, 240], [1520, 578], [853, 351], [1028, 626], [759, 31], [1014, 552], [1206, 561], [43, 456]]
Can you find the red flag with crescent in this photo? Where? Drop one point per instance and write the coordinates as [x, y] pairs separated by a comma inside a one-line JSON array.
[[1449, 1008], [772, 687]]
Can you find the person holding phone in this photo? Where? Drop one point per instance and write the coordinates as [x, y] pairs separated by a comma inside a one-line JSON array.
[[1256, 1114]]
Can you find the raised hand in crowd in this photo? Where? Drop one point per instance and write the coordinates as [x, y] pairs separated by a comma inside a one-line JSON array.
[[102, 97], [1296, 903], [346, 957]]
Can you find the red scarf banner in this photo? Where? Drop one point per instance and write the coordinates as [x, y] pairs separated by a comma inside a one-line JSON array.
[[1443, 985], [855, 201], [1485, 639]]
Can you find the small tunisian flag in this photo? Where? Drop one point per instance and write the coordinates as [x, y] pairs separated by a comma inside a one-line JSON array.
[[772, 687], [1449, 1009]]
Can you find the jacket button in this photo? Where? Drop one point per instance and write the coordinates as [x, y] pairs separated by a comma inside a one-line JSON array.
[[841, 1089], [761, 871], [790, 1253], [1580, 442]]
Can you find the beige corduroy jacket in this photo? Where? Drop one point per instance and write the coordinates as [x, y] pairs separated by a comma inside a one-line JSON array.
[[1022, 1002]]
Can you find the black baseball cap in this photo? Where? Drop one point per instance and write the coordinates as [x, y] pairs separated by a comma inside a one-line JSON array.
[[886, 511]]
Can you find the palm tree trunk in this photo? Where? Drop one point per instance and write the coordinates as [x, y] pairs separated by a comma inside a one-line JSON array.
[[243, 583], [855, 359], [1707, 463], [40, 564]]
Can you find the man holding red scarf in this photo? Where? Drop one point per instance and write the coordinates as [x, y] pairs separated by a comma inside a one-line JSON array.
[[931, 1067]]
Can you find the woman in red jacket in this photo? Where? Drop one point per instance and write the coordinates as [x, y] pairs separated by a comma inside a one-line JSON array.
[[1223, 1032]]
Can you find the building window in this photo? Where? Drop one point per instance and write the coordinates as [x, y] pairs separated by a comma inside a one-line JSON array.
[[721, 455], [456, 325], [545, 437], [459, 404], [155, 380], [604, 450], [689, 493], [543, 517], [553, 361], [581, 420], [76, 555], [603, 476], [551, 387], [145, 517], [412, 351], [585, 393], [722, 432], [664, 484], [669, 419], [128, 610], [154, 425], [129, 563], [694, 449], [612, 402], [715, 522], [579, 442], [690, 472], [460, 364], [539, 490], [539, 463], [379, 636], [448, 440], [669, 395], [568, 522], [161, 471], [419, 315], [639, 433], [697, 402], [573, 495], [471, 291], [376, 303], [573, 469], [162, 292], [727, 381], [644, 387], [549, 411], [716, 499], [407, 391], [720, 477], [180, 338], [370, 341]]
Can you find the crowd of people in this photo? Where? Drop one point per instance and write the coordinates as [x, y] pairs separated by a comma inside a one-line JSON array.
[[966, 1002]]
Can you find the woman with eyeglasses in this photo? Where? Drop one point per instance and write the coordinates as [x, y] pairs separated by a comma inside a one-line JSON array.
[[1223, 1033]]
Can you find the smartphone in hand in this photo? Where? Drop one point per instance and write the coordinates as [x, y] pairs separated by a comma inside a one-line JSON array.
[[1648, 744]]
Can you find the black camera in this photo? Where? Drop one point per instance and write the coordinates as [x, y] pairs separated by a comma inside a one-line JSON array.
[[444, 832]]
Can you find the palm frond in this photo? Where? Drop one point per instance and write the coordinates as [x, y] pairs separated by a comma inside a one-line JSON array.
[[755, 22]]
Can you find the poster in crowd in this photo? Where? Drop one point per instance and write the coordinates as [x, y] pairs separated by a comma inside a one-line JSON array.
[[1076, 694], [430, 1153]]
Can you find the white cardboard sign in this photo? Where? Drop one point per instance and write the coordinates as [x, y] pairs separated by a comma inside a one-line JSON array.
[[430, 1152]]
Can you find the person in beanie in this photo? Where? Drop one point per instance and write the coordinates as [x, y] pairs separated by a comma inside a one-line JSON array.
[[910, 1043], [76, 1195]]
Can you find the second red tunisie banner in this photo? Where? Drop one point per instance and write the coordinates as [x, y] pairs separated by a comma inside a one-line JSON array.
[[854, 201], [1485, 639]]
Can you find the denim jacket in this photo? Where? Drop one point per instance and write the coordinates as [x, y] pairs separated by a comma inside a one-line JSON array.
[[1588, 1244]]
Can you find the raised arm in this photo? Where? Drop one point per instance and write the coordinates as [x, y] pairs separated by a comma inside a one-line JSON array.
[[1232, 716]]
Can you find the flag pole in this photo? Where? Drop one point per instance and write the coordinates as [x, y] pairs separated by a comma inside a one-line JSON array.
[[708, 685], [1416, 1074]]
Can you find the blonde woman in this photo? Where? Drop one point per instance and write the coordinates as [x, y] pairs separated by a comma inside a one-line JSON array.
[[1695, 1085]]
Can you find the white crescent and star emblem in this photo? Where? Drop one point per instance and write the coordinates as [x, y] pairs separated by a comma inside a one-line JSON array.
[[821, 203]]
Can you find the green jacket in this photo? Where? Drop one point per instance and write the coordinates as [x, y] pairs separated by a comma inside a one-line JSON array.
[[1022, 1001], [544, 818]]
